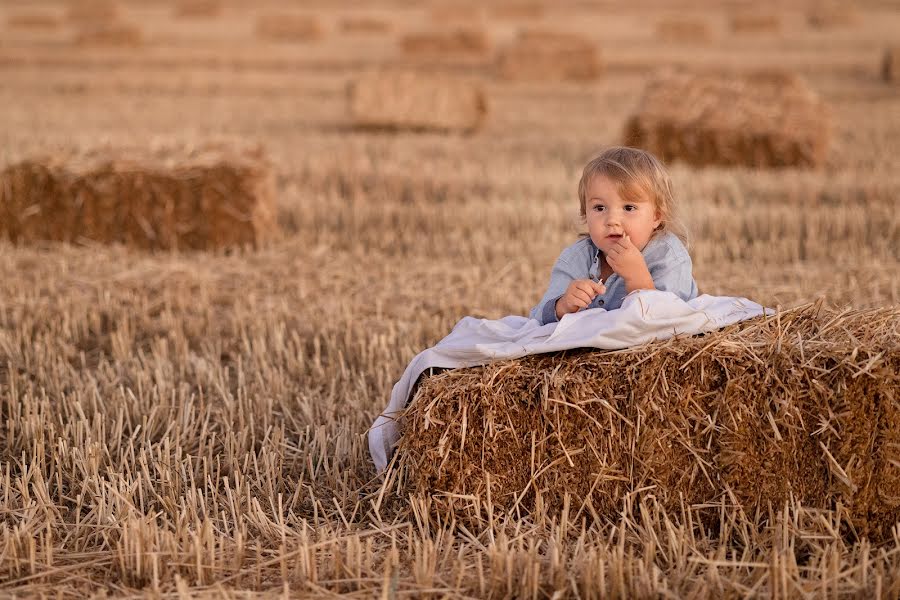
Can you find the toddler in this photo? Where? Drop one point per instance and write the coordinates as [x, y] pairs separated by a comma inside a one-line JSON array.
[[634, 239]]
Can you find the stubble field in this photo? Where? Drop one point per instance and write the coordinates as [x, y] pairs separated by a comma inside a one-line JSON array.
[[194, 423]]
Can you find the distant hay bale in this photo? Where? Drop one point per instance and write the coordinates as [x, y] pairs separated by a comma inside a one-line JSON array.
[[890, 65], [517, 10], [550, 56], [755, 23], [684, 30], [33, 20], [289, 28], [109, 34], [760, 120], [446, 44], [800, 407], [399, 99], [170, 198], [92, 11], [196, 9], [832, 16], [456, 13], [364, 25]]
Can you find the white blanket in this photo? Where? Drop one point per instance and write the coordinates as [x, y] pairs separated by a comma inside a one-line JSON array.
[[645, 316]]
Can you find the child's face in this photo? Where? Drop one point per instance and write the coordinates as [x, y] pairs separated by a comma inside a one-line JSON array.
[[609, 215]]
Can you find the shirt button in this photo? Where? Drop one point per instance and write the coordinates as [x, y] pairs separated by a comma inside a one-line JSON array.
[[600, 303]]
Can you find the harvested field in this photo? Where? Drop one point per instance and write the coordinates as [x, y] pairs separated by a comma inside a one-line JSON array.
[[198, 8], [446, 44], [890, 65], [91, 11], [187, 198], [550, 56], [289, 28], [755, 23], [684, 31], [109, 34], [770, 119], [33, 20], [395, 100], [364, 25], [192, 423]]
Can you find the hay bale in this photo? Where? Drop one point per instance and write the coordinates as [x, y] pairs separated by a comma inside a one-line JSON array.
[[683, 30], [550, 56], [832, 16], [174, 197], [198, 9], [755, 23], [401, 99], [456, 13], [92, 11], [289, 28], [801, 407], [517, 11], [765, 119], [34, 20], [446, 44], [109, 34], [890, 65], [364, 25]]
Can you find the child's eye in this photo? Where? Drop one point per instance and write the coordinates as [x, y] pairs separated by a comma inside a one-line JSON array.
[[630, 207], [599, 207]]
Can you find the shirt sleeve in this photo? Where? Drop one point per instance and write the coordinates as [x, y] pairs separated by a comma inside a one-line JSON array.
[[675, 277], [562, 274]]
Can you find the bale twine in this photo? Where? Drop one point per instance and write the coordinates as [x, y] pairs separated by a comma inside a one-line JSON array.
[[197, 9], [402, 99], [683, 30], [170, 198], [803, 406], [32, 20], [766, 119], [755, 23], [467, 41], [550, 56], [289, 28], [109, 34], [890, 65]]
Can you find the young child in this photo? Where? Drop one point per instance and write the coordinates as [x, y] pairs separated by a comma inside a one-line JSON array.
[[634, 239]]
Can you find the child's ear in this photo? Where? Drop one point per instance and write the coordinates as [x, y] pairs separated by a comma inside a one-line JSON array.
[[658, 220]]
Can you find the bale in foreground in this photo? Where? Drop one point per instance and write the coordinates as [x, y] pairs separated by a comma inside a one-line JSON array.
[[400, 99], [170, 198], [766, 119], [802, 407]]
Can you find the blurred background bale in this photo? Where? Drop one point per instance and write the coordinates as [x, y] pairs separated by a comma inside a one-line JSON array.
[[32, 20], [538, 55], [890, 65], [196, 9], [362, 24], [760, 414], [515, 11], [458, 42], [684, 30], [832, 15], [92, 11], [173, 197], [755, 22], [763, 119], [289, 28], [399, 99], [109, 34], [459, 13]]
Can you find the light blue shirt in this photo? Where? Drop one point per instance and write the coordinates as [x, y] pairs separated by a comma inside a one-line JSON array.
[[667, 260]]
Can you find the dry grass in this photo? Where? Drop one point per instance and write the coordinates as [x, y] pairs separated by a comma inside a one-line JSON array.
[[33, 20], [684, 30], [755, 22], [364, 25], [92, 11], [193, 424], [193, 9], [832, 15], [109, 34], [890, 65], [766, 119]]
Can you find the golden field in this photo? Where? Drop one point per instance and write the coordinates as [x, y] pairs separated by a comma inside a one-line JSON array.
[[178, 424]]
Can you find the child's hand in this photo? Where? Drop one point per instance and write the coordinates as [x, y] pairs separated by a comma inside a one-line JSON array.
[[625, 259], [579, 294]]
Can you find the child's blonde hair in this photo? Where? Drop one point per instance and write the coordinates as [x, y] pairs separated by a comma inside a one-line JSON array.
[[636, 173]]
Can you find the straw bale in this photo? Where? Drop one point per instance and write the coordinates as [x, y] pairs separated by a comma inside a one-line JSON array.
[[550, 56], [109, 34], [755, 22], [461, 41], [802, 407], [364, 25], [517, 10], [890, 65], [289, 27], [397, 99], [170, 197], [457, 13], [92, 11], [764, 119], [35, 20], [832, 16], [684, 30], [193, 9]]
